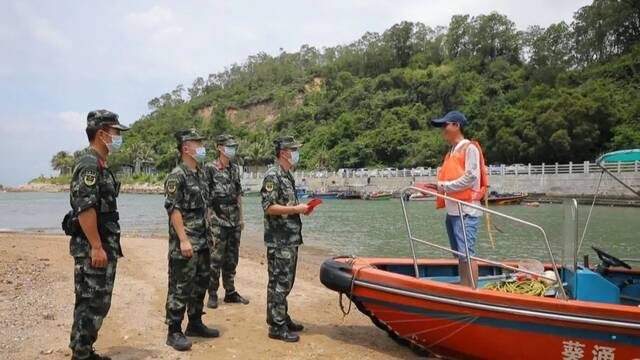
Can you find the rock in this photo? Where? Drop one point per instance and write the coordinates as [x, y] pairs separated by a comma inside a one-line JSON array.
[[49, 317], [46, 352]]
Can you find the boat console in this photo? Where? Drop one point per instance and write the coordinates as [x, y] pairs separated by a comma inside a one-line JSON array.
[[587, 285]]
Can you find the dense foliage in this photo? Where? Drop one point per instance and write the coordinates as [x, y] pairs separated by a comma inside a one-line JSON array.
[[565, 92]]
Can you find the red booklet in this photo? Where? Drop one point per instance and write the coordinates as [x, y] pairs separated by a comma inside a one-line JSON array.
[[312, 205]]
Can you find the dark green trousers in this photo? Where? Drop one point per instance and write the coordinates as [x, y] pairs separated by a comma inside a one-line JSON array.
[[225, 251], [281, 264], [188, 281], [93, 289]]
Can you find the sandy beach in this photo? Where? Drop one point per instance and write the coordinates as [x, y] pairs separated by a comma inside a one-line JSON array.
[[36, 304]]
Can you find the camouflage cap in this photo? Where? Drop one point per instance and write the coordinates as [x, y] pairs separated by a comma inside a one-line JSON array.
[[188, 135], [227, 140], [100, 118], [286, 142]]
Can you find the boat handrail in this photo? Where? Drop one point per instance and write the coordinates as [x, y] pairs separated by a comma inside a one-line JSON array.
[[466, 254]]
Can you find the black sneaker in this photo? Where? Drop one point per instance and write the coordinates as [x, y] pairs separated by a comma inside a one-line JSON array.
[[283, 333], [178, 341], [234, 297], [198, 329], [213, 302], [294, 327]]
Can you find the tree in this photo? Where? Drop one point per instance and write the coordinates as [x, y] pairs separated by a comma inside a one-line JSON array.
[[139, 154], [62, 162], [551, 47]]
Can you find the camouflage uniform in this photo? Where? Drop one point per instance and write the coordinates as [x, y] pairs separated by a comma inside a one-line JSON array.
[[187, 191], [224, 190], [282, 236], [93, 186]]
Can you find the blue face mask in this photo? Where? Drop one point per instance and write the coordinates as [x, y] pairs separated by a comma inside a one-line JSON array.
[[201, 153], [116, 143], [230, 152], [295, 157]]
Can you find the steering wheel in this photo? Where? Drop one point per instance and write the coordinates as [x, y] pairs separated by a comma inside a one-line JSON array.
[[610, 260]]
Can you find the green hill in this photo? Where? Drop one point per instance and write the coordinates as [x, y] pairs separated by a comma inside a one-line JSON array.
[[567, 92]]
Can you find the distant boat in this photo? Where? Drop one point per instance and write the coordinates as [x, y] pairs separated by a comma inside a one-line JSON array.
[[377, 195], [303, 192], [421, 197], [506, 198], [326, 195], [349, 195]]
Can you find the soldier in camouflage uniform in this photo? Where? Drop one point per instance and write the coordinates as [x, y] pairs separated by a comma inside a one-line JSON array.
[[282, 236], [186, 197], [95, 232], [225, 207]]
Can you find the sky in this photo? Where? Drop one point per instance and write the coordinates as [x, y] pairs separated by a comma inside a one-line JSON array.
[[61, 59]]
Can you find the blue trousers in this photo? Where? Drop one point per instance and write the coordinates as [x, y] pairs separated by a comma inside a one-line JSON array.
[[456, 238]]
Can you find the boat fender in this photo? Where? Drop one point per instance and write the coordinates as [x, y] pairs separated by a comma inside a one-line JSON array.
[[336, 276]]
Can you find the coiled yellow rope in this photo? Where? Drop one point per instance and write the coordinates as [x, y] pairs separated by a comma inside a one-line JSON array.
[[524, 287]]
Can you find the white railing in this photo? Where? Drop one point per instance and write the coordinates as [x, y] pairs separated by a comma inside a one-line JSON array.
[[494, 170]]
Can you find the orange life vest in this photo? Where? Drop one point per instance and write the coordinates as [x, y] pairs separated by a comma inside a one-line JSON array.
[[453, 168]]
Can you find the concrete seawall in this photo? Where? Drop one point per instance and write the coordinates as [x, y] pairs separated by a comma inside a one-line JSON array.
[[564, 185]]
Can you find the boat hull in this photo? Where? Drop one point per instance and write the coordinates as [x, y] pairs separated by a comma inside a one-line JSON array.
[[458, 322]]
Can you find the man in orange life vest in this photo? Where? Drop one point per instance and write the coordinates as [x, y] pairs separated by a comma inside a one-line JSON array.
[[462, 176]]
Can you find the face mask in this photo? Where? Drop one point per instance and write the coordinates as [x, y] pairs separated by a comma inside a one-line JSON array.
[[295, 157], [230, 152], [116, 143], [201, 153]]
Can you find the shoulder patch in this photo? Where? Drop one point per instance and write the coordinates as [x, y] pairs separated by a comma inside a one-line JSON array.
[[89, 176], [268, 186], [171, 186]]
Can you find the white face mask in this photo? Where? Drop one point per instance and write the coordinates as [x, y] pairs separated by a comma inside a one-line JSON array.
[[200, 153], [295, 157], [229, 152], [116, 143]]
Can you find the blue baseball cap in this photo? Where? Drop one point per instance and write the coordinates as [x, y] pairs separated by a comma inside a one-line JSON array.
[[451, 117]]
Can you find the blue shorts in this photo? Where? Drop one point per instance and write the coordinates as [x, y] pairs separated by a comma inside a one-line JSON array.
[[456, 239]]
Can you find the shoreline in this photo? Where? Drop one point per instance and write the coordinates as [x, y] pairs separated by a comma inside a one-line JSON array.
[[36, 306], [550, 198], [55, 188]]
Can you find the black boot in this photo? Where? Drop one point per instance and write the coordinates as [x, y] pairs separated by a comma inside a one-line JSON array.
[[213, 301], [198, 329], [234, 297], [177, 340], [93, 356], [293, 326], [282, 333]]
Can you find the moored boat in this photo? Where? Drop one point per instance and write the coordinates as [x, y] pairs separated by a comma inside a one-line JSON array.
[[435, 313], [421, 197], [377, 195], [507, 198], [326, 195], [577, 312]]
